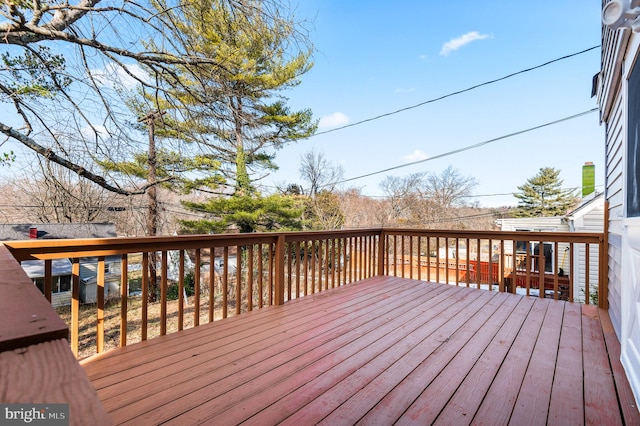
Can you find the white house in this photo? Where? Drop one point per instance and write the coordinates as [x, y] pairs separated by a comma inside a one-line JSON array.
[[61, 279], [617, 87], [540, 224], [61, 268], [588, 217]]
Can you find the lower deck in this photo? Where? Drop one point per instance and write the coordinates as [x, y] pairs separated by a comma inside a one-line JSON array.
[[384, 350]]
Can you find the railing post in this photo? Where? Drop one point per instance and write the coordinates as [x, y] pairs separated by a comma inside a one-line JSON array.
[[48, 279], [100, 300], [279, 272], [124, 298], [382, 241], [75, 305]]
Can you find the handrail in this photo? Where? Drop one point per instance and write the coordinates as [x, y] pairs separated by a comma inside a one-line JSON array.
[[28, 319], [252, 271]]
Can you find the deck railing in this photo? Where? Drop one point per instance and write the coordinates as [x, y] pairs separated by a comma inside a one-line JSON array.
[[217, 276], [572, 266]]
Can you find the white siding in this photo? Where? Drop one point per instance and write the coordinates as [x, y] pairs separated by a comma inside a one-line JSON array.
[[614, 184], [619, 52], [615, 280], [614, 45], [611, 102], [588, 218], [61, 299], [580, 275], [551, 224]]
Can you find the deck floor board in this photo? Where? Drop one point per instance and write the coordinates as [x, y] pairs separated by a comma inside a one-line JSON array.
[[471, 392], [569, 410], [598, 377], [532, 404], [205, 354], [381, 351]]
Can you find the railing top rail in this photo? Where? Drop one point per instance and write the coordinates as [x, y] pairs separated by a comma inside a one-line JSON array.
[[54, 249], [65, 248], [547, 236]]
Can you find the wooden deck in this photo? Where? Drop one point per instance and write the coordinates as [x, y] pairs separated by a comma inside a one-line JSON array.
[[382, 351]]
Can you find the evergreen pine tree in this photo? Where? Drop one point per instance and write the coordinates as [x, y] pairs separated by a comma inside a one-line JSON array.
[[542, 195]]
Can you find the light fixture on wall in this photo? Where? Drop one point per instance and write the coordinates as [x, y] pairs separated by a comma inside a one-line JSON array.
[[622, 14]]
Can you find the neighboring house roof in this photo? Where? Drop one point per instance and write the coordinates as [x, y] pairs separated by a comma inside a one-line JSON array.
[[48, 231], [587, 205], [35, 268]]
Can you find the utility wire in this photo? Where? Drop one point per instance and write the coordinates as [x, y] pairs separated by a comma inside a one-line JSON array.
[[473, 216], [467, 148], [377, 117]]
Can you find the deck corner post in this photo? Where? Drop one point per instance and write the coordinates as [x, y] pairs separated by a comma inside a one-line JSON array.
[[279, 272], [382, 242], [603, 251]]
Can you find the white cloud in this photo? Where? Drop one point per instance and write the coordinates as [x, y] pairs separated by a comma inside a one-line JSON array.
[[113, 75], [336, 119], [458, 42], [97, 131], [416, 155]]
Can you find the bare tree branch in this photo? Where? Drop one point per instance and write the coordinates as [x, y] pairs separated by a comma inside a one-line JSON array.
[[80, 171]]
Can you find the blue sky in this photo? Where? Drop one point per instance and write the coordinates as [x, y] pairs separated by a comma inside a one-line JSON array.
[[374, 57]]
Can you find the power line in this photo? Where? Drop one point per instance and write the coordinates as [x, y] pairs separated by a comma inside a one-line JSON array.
[[473, 216], [573, 188], [377, 117], [467, 148]]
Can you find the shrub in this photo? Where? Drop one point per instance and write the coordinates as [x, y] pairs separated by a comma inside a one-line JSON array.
[[173, 289]]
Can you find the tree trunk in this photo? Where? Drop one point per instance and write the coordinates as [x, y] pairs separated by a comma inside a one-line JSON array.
[[152, 206]]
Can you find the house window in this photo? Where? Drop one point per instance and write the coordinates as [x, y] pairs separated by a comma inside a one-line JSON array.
[[58, 284], [521, 246], [525, 249], [64, 283], [547, 254]]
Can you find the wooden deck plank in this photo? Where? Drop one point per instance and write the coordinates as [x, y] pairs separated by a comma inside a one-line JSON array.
[[532, 404], [600, 398], [226, 376], [497, 406], [48, 373], [628, 405], [206, 346], [426, 408], [385, 399], [213, 364], [567, 402], [471, 392], [338, 383], [349, 355], [124, 359], [373, 352]]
